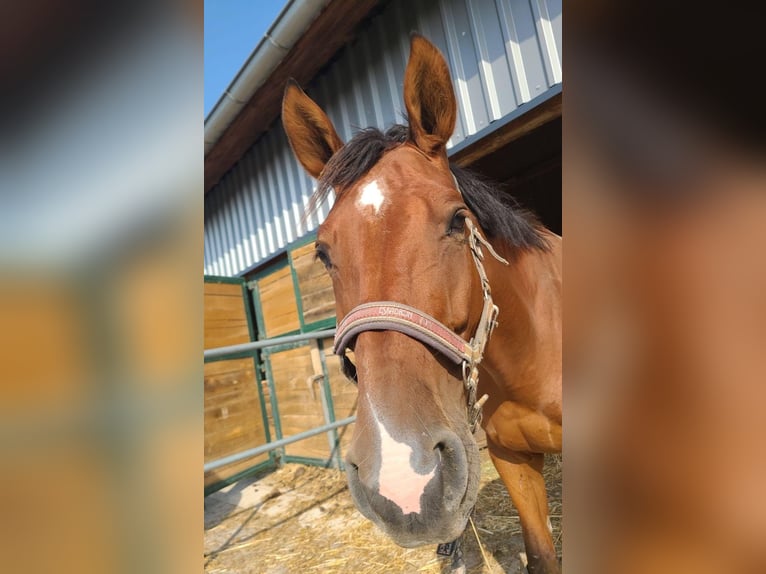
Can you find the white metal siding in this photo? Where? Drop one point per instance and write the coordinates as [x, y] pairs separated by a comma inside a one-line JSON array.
[[502, 54]]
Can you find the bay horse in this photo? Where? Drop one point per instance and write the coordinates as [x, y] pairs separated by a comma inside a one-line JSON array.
[[427, 261]]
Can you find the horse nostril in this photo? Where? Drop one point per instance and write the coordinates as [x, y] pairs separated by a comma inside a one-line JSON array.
[[440, 446]]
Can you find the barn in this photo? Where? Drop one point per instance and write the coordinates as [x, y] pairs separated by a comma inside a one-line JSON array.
[[262, 283]]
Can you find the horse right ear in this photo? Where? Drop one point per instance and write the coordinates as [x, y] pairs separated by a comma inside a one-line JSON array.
[[309, 130], [429, 97]]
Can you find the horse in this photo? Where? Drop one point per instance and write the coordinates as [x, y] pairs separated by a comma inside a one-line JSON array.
[[448, 294]]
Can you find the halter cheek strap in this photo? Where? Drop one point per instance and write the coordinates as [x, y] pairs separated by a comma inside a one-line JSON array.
[[393, 316]]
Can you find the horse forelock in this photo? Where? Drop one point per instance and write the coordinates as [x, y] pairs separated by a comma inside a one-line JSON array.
[[352, 162]]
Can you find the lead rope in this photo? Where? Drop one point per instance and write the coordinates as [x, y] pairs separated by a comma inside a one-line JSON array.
[[455, 550], [481, 546]]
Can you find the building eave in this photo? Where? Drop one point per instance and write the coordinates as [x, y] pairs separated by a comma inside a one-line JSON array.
[[304, 37]]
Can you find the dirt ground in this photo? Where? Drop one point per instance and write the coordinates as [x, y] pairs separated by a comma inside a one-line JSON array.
[[302, 519]]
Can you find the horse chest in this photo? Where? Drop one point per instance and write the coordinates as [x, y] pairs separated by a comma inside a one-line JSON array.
[[519, 428]]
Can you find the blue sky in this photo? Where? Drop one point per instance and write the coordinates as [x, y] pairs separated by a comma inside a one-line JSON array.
[[232, 29]]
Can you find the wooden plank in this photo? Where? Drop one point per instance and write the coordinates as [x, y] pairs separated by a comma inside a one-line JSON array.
[[224, 308], [274, 277], [314, 285], [277, 297], [321, 307], [218, 330], [232, 403], [232, 415], [225, 336], [313, 280], [234, 395], [223, 406], [316, 359], [222, 323], [231, 440], [303, 251], [225, 315], [225, 298], [225, 289], [227, 366], [235, 438], [232, 409], [300, 404]]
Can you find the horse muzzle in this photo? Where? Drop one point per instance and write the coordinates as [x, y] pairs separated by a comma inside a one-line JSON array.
[[417, 496]]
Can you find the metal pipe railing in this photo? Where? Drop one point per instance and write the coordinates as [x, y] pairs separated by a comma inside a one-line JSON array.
[[276, 444], [219, 352]]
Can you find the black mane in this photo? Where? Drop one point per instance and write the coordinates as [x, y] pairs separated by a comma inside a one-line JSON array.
[[499, 215]]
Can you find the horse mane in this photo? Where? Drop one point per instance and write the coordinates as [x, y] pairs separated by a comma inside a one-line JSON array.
[[498, 213]]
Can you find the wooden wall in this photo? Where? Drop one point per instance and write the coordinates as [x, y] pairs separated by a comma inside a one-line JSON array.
[[295, 295], [299, 399], [314, 285], [291, 297], [304, 398], [233, 416], [225, 318], [279, 308]]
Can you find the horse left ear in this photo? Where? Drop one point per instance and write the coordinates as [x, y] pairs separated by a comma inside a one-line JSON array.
[[309, 131], [429, 97]]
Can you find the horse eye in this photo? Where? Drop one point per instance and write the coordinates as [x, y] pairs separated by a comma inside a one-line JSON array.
[[457, 224], [322, 256]]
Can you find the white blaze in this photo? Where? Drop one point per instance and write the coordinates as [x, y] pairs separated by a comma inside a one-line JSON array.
[[372, 196], [398, 481]]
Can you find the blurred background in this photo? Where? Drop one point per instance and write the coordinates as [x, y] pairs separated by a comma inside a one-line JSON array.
[[100, 286], [665, 285]]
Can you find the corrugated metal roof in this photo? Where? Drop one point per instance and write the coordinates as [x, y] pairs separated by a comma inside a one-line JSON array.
[[502, 54]]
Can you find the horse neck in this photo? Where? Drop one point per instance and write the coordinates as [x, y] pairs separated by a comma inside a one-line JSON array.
[[527, 340]]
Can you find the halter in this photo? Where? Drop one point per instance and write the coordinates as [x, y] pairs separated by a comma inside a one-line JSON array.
[[393, 316]]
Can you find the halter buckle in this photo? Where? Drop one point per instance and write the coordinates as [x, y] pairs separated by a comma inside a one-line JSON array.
[[492, 320]]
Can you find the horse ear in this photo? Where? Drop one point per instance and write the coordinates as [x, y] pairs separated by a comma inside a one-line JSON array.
[[309, 130], [429, 97]]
